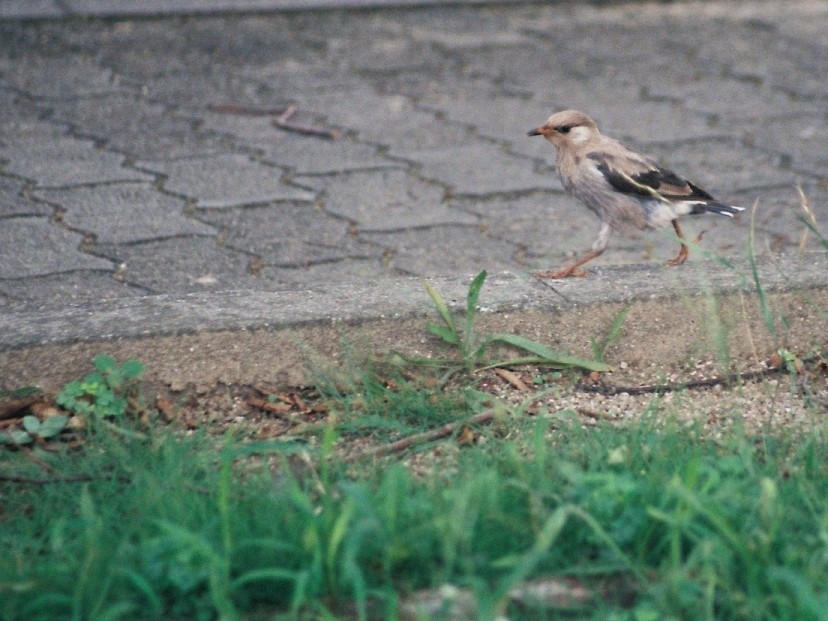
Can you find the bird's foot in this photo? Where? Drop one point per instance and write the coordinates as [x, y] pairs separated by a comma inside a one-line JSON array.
[[680, 258], [568, 272]]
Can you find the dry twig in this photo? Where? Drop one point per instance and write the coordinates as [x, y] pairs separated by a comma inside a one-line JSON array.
[[427, 436]]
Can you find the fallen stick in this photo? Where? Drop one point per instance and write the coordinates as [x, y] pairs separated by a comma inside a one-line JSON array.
[[427, 436], [245, 110], [606, 389], [282, 120]]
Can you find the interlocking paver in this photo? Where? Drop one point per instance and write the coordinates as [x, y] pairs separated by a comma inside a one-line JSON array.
[[225, 180], [386, 119], [60, 77], [477, 169], [443, 250], [34, 246], [124, 212], [725, 166], [302, 154], [136, 127], [13, 202], [76, 286], [331, 272], [386, 200], [50, 159], [287, 233], [110, 136], [185, 264]]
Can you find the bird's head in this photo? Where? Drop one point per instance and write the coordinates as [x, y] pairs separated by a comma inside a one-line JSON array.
[[568, 128]]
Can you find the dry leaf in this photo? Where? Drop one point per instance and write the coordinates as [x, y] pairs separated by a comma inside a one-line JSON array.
[[466, 436], [512, 378]]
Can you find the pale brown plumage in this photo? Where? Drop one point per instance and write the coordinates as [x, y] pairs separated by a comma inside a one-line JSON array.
[[626, 190]]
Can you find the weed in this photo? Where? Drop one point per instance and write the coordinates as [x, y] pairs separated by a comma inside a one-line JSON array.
[[102, 393], [472, 349], [171, 527], [599, 350], [34, 428]]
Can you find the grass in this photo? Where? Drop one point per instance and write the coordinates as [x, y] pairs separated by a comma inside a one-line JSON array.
[[652, 520], [473, 350], [166, 527]]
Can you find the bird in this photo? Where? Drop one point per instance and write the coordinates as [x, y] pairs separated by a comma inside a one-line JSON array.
[[625, 189]]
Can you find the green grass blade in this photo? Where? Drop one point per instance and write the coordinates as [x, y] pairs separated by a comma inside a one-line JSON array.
[[471, 311], [442, 308], [764, 306], [449, 335], [549, 355]]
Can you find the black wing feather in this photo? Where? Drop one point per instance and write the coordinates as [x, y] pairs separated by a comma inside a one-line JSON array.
[[655, 178]]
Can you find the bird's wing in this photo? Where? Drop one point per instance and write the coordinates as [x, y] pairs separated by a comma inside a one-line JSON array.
[[630, 173]]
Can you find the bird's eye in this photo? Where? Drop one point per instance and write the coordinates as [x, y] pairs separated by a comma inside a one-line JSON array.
[[564, 129]]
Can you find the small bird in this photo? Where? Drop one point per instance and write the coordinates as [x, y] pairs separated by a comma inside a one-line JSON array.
[[626, 190]]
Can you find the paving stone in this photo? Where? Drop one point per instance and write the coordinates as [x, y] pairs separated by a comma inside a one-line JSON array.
[[225, 181], [18, 9], [479, 169], [808, 28], [287, 233], [60, 77], [783, 63], [136, 127], [386, 201], [184, 264], [124, 212], [35, 246], [63, 161], [370, 269], [16, 109], [779, 215], [69, 287], [540, 223], [382, 53], [391, 120], [443, 250], [505, 118], [435, 105], [300, 154], [739, 104], [802, 139], [508, 118], [13, 202], [724, 166]]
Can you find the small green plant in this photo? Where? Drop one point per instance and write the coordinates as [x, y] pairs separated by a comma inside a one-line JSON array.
[[472, 350], [102, 393], [33, 428], [599, 350]]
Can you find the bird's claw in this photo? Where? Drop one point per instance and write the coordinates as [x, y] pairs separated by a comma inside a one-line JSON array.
[[567, 272]]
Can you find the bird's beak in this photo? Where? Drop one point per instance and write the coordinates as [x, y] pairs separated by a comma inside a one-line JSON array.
[[535, 132]]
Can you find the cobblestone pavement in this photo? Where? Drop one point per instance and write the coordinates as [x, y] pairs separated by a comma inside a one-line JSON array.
[[132, 160]]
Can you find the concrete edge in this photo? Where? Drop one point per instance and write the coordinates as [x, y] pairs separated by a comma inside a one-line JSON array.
[[354, 303], [60, 9], [286, 336]]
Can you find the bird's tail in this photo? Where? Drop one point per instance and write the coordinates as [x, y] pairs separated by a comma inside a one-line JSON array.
[[724, 210], [719, 208]]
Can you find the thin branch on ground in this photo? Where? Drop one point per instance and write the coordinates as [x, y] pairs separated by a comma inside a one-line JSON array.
[[427, 436], [609, 390], [282, 120], [84, 478]]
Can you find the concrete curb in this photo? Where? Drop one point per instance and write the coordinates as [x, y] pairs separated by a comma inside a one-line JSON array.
[[237, 337], [57, 9]]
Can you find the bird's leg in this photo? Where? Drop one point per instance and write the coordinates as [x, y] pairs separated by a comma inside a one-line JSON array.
[[681, 257], [572, 270]]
